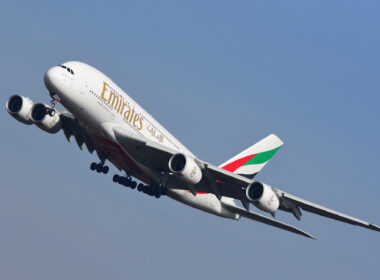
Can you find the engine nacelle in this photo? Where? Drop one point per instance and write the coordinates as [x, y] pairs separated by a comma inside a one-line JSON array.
[[46, 122], [263, 197], [186, 168], [20, 108]]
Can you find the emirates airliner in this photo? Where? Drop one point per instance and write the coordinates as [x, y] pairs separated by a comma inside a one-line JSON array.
[[102, 117]]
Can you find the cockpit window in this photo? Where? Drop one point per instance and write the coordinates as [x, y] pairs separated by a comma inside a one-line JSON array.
[[67, 68]]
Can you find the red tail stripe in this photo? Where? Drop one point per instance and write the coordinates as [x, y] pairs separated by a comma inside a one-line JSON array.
[[232, 166]]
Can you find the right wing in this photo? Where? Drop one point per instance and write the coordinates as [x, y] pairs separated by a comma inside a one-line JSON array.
[[268, 221], [292, 201]]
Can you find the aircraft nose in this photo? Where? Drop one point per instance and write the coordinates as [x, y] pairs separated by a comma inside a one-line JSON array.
[[53, 79]]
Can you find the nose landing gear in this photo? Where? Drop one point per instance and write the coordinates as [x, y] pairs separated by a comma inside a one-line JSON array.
[[51, 111]]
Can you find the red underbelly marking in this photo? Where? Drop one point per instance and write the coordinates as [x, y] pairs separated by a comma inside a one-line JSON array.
[[119, 157]]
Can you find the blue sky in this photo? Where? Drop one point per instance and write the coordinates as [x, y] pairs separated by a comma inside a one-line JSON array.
[[220, 75]]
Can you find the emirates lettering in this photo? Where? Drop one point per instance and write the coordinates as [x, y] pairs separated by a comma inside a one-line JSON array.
[[116, 101]]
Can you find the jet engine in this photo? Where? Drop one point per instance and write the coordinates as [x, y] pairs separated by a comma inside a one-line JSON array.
[[20, 108], [46, 122], [263, 197], [186, 168]]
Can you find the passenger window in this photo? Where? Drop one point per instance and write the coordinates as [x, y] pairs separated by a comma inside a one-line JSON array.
[[71, 71]]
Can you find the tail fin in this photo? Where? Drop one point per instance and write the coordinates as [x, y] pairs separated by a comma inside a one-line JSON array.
[[249, 162]]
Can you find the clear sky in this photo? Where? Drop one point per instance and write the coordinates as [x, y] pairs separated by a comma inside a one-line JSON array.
[[220, 75]]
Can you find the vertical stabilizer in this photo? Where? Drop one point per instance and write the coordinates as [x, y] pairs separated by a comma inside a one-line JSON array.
[[250, 161]]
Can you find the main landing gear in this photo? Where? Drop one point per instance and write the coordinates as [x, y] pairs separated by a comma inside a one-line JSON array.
[[99, 167], [126, 181], [153, 190], [51, 111]]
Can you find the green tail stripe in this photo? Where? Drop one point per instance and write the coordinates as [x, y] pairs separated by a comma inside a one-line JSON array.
[[262, 157]]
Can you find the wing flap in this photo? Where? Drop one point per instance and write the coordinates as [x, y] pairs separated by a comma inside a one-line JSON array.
[[71, 127]]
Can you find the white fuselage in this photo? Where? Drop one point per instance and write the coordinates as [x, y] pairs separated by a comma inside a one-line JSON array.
[[99, 104]]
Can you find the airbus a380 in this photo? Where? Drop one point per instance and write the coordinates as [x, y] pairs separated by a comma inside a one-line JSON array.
[[108, 121]]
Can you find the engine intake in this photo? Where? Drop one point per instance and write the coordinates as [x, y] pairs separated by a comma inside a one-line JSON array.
[[263, 197], [20, 107], [46, 122], [186, 168]]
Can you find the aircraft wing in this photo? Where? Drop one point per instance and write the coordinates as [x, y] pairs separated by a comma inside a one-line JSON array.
[[268, 221], [71, 127], [326, 212], [222, 182], [289, 202]]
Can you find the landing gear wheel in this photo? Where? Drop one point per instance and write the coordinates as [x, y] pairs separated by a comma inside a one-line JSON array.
[[163, 191], [51, 110], [121, 180], [140, 187], [99, 168], [128, 182], [153, 190], [93, 166], [105, 169], [146, 189], [115, 178], [133, 185]]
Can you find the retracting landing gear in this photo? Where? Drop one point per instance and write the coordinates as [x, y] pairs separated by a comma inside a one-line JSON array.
[[153, 190], [126, 181], [51, 111], [99, 167]]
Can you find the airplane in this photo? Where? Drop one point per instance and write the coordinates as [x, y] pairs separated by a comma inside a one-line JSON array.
[[105, 119]]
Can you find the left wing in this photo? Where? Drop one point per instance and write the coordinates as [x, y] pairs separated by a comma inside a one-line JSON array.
[[219, 181], [71, 127]]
